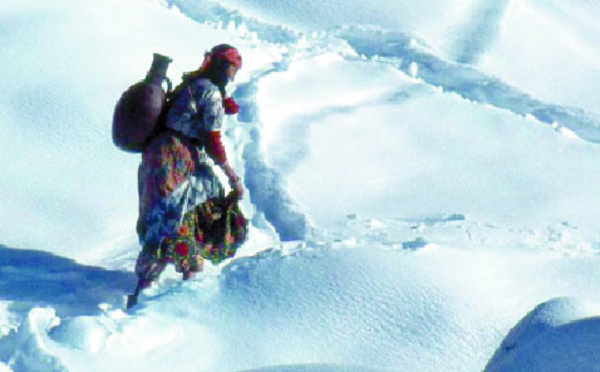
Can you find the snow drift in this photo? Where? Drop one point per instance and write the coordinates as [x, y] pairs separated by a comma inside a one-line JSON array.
[[558, 335]]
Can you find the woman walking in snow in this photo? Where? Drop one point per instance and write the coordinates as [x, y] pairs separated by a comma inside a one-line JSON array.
[[184, 215]]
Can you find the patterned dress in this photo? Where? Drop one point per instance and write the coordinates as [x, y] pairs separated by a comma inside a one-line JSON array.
[[184, 215]]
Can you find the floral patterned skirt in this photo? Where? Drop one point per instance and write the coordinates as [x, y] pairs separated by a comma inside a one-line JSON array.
[[184, 216]]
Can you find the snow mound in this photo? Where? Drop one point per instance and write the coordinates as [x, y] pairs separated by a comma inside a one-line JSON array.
[[559, 335], [32, 343]]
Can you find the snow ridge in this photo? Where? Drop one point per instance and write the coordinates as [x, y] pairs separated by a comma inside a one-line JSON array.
[[210, 12], [408, 55], [266, 186]]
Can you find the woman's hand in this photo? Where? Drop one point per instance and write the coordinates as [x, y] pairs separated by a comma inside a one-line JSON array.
[[237, 187], [234, 181]]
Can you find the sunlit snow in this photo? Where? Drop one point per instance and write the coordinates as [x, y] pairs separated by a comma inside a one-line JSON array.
[[420, 180]]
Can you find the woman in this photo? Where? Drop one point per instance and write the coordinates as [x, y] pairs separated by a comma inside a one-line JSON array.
[[184, 215]]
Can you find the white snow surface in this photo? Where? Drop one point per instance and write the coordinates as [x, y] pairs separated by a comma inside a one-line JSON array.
[[420, 179]]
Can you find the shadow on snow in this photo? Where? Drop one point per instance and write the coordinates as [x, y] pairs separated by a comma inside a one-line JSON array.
[[30, 278]]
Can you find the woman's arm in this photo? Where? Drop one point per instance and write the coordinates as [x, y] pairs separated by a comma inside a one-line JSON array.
[[210, 99], [216, 151]]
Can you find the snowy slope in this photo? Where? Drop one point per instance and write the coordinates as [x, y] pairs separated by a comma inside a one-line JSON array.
[[546, 47], [565, 65], [558, 335], [416, 188]]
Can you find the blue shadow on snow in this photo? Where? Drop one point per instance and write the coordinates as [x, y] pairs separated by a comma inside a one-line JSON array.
[[30, 278]]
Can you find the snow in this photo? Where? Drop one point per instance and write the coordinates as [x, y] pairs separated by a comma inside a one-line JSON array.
[[450, 157], [558, 335], [419, 180], [564, 67]]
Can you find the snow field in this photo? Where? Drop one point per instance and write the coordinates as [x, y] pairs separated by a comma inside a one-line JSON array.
[[394, 147], [407, 210], [389, 309]]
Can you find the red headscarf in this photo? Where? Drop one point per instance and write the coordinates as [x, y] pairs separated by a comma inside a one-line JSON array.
[[222, 52], [219, 53]]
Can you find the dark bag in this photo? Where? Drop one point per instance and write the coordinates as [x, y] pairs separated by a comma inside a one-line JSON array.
[[140, 110]]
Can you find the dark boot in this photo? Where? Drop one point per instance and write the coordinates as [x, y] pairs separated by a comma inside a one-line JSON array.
[[132, 299]]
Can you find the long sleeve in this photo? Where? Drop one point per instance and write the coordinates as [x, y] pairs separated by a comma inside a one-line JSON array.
[[214, 146]]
